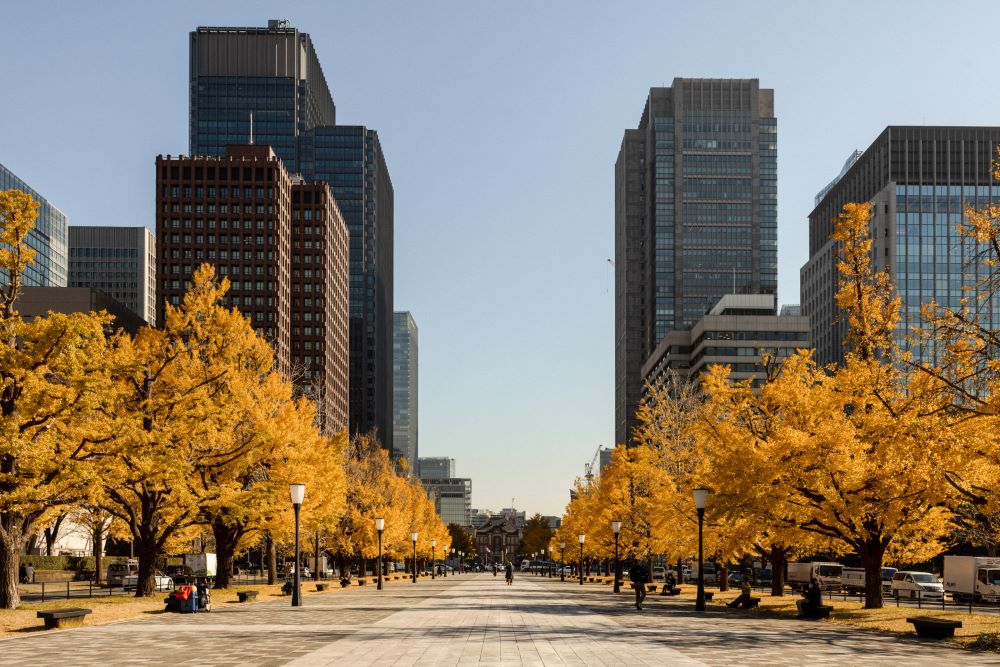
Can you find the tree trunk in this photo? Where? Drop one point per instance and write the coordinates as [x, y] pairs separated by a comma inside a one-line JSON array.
[[147, 550], [723, 575], [227, 538], [272, 559], [777, 560], [680, 571], [871, 558], [11, 541], [52, 534], [98, 551]]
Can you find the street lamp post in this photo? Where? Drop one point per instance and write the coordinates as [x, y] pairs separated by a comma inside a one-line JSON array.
[[461, 562], [433, 573], [616, 527], [562, 561], [413, 536], [582, 538], [380, 526], [700, 500], [297, 492]]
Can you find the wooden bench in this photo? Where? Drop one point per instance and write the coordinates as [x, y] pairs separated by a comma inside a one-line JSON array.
[[246, 596], [70, 617], [934, 628]]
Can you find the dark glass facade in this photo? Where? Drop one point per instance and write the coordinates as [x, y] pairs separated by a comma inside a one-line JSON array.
[[256, 85], [49, 239], [695, 217], [920, 181]]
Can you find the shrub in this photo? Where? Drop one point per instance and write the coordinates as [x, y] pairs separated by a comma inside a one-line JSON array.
[[987, 641]]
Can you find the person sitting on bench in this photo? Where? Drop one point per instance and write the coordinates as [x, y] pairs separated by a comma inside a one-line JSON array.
[[743, 601], [811, 601]]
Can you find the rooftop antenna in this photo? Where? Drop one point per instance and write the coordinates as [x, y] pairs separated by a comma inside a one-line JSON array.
[[251, 128]]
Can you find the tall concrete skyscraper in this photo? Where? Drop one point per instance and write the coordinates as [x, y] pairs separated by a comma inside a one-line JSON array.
[[49, 238], [120, 261], [920, 181], [404, 388], [271, 78], [695, 217]]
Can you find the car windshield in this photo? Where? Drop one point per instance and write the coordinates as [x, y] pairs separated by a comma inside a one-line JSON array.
[[887, 573], [924, 578], [830, 570], [993, 576]]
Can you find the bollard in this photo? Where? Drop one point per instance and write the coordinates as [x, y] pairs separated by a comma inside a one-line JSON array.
[[43, 592], [920, 597], [67, 590], [90, 588]]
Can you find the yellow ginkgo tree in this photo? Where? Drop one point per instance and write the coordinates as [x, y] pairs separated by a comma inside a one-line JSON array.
[[55, 387]]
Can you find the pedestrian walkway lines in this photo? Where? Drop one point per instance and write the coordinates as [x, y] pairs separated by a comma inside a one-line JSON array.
[[484, 622]]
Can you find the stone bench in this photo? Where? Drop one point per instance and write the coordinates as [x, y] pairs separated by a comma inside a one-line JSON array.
[[670, 591], [748, 604], [246, 596], [822, 611], [320, 587], [70, 617], [934, 628]]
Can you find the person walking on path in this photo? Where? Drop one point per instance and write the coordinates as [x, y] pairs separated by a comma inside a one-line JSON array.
[[509, 573], [639, 576]]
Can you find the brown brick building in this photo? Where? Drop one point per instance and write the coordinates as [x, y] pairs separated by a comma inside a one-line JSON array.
[[273, 239], [319, 300]]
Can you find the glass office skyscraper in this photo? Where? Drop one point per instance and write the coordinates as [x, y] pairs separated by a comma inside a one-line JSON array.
[[920, 181], [695, 217], [49, 239], [259, 83], [404, 388], [274, 75]]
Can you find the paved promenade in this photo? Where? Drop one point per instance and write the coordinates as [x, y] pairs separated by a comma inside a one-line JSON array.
[[471, 620]]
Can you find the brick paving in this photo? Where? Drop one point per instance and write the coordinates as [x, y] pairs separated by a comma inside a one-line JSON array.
[[475, 619]]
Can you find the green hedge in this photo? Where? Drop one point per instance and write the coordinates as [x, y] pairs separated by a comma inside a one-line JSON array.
[[74, 563]]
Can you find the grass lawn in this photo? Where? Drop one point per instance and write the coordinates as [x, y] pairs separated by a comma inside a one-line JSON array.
[[851, 613]]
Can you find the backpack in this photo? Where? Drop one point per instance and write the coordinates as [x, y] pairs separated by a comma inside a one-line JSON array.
[[638, 574]]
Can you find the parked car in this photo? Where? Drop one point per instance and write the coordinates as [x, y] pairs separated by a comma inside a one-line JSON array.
[[161, 582], [305, 574], [659, 574], [915, 585]]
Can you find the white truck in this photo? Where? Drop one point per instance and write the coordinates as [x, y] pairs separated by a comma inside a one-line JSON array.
[[828, 575], [975, 578], [202, 565]]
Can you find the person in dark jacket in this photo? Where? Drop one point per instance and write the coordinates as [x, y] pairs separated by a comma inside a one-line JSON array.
[[509, 573], [639, 576], [811, 600]]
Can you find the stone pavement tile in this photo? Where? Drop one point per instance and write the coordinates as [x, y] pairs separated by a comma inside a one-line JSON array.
[[476, 620]]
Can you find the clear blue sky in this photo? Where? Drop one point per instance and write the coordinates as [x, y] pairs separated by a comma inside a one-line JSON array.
[[500, 122]]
